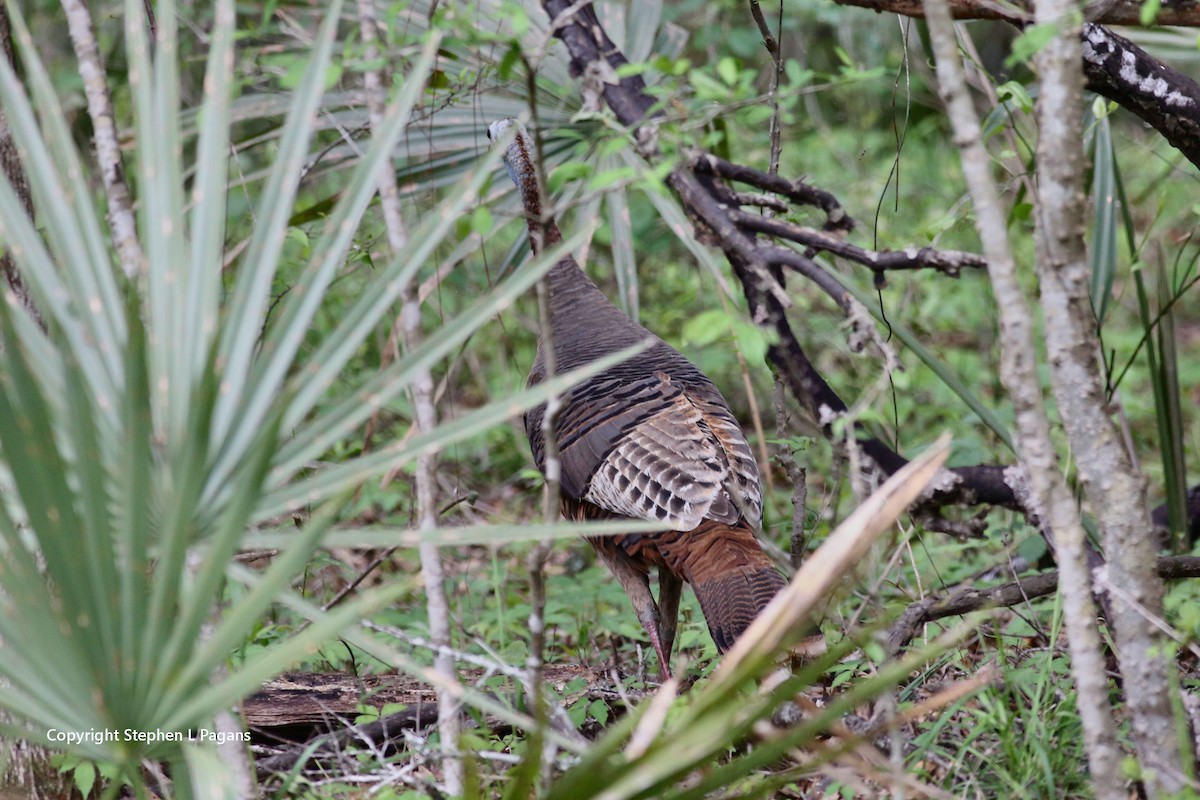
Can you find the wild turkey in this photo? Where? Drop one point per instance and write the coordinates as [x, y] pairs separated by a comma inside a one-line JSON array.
[[650, 439]]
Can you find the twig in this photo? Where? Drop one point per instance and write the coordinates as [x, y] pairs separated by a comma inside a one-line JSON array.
[[773, 49], [493, 665], [764, 454], [358, 579], [798, 542], [151, 25], [104, 135], [534, 663], [449, 722], [757, 200], [798, 191]]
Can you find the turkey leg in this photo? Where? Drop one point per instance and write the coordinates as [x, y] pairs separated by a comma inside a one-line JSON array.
[[636, 584], [670, 587]]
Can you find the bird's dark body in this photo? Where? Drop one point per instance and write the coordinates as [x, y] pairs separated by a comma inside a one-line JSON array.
[[650, 438]]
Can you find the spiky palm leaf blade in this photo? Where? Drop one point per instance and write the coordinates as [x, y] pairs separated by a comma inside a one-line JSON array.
[[155, 421]]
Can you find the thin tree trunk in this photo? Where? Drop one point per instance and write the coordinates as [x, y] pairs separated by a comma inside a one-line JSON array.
[[1113, 487], [108, 151], [449, 723], [1018, 370]]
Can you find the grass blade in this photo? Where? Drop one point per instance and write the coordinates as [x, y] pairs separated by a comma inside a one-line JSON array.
[[624, 263], [1103, 247]]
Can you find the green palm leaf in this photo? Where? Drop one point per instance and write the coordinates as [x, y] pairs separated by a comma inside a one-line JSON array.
[[157, 420]]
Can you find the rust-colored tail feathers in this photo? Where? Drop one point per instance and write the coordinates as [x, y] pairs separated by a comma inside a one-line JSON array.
[[732, 577]]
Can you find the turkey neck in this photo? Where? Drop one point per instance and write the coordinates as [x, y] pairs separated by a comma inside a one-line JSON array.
[[583, 323]]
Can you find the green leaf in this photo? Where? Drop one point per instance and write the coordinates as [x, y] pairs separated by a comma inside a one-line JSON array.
[[624, 262], [1149, 12], [84, 777], [706, 327], [1030, 43], [727, 68], [481, 221], [565, 173], [1016, 93]]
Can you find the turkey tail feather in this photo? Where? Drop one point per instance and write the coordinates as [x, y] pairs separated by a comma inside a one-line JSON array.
[[732, 602], [732, 577]]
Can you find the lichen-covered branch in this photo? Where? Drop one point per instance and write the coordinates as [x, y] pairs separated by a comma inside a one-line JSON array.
[[1119, 12], [1161, 96]]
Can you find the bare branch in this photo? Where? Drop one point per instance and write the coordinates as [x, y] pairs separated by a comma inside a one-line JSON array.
[[805, 266], [964, 599], [797, 191]]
